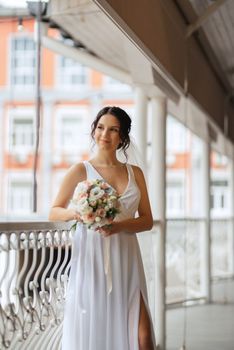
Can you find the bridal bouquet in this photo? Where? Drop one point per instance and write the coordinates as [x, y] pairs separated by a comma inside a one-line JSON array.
[[96, 202]]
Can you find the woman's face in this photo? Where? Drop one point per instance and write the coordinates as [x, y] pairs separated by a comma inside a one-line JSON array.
[[107, 132]]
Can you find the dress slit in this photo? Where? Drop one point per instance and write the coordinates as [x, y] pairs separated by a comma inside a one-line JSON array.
[[98, 317], [133, 321]]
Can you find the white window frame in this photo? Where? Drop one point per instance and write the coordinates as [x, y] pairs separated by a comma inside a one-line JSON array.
[[177, 136], [180, 177], [69, 86], [17, 177], [10, 77], [78, 112], [20, 113], [217, 211]]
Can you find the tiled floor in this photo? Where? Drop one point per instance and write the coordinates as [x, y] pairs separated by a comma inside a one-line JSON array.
[[208, 327]]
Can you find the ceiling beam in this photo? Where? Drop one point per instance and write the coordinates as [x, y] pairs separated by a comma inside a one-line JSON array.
[[200, 20], [86, 59]]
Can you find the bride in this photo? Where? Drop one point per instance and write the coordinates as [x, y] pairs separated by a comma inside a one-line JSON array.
[[106, 303]]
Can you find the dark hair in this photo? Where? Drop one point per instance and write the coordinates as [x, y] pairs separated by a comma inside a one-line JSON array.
[[124, 121]]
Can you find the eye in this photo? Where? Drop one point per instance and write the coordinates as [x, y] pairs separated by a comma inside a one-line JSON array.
[[114, 129], [99, 127]]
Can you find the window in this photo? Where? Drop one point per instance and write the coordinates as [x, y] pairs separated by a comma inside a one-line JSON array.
[[70, 132], [219, 194], [72, 136], [177, 136], [220, 159], [22, 133], [175, 197], [20, 197], [23, 61], [71, 73]]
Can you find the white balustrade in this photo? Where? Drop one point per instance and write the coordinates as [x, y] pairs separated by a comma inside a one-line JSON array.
[[34, 270]]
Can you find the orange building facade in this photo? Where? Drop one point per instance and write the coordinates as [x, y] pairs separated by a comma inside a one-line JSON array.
[[71, 95]]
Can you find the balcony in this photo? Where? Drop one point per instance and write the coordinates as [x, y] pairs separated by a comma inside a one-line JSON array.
[[35, 262]]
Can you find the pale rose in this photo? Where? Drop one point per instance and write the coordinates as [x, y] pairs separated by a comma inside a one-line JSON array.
[[82, 186], [78, 194], [83, 206], [101, 212], [88, 218], [96, 193], [94, 200]]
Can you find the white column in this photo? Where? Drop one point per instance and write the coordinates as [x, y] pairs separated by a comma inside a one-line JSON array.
[[46, 156], [231, 226], [158, 201], [140, 124], [206, 238]]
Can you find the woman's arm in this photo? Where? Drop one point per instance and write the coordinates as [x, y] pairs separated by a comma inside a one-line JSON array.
[[145, 220], [59, 211]]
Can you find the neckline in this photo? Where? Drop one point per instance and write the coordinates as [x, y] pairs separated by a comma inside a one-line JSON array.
[[119, 195]]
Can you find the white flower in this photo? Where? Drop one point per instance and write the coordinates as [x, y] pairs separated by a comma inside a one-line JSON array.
[[111, 203], [81, 188], [83, 206], [98, 219], [96, 193]]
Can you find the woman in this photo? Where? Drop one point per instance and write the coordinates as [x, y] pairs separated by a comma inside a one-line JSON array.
[[106, 305]]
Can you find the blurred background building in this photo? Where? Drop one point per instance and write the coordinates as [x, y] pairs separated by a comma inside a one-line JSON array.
[[71, 95]]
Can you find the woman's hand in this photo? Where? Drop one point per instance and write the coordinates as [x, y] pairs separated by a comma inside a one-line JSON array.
[[108, 230], [76, 216]]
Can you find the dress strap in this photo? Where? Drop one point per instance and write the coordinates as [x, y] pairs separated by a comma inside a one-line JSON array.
[[87, 168], [130, 171]]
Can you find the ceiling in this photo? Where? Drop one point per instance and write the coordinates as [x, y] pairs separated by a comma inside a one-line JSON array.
[[87, 23], [90, 27], [219, 30]]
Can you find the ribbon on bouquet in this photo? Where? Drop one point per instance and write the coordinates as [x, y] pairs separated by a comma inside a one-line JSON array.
[[107, 263], [81, 237]]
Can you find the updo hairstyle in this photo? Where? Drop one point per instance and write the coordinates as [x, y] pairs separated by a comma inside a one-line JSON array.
[[124, 121]]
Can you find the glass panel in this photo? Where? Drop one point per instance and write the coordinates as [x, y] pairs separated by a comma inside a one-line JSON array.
[[184, 198], [221, 212], [221, 247], [183, 259], [23, 61]]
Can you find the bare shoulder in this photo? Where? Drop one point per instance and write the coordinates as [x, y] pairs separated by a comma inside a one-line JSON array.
[[137, 172], [78, 168], [77, 172]]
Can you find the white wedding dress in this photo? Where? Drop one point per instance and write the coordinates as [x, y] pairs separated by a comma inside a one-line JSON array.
[[106, 279]]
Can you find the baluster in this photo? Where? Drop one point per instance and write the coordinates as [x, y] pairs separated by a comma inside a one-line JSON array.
[[33, 287]]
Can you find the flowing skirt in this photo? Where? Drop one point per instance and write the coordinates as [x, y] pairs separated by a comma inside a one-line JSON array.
[[102, 307]]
